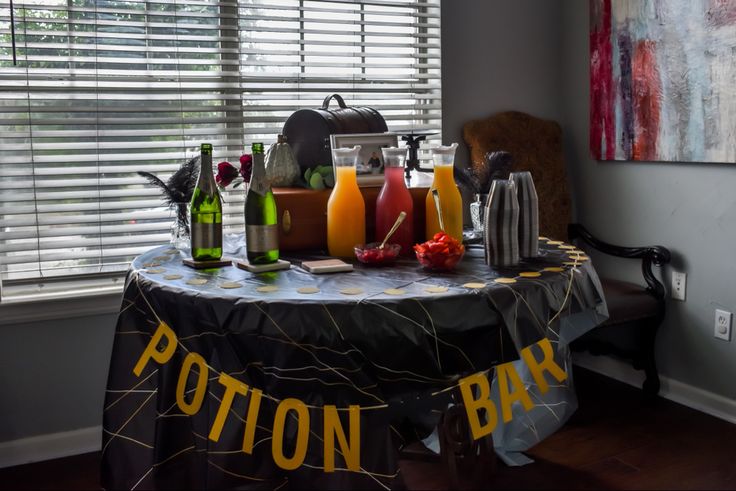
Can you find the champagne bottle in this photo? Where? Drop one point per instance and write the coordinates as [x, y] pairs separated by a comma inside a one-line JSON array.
[[206, 212], [261, 232]]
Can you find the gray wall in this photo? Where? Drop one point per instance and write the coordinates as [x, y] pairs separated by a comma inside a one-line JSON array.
[[498, 55], [53, 375], [688, 207]]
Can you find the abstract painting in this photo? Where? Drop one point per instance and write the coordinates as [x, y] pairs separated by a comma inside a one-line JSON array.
[[663, 80]]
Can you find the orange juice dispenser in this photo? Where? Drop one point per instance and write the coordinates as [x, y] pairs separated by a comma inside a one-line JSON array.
[[345, 208], [449, 195]]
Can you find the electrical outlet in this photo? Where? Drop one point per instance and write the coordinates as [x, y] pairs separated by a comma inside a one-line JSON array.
[[678, 285], [723, 325]]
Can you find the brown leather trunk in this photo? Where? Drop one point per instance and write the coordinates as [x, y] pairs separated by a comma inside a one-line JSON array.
[[303, 216]]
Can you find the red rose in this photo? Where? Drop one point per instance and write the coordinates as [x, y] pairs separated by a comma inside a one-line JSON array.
[[226, 172], [246, 166]]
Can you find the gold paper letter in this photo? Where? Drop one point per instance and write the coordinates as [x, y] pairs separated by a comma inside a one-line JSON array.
[[250, 422], [232, 386], [199, 390], [548, 364], [472, 405], [151, 352], [302, 434], [505, 373], [333, 428]]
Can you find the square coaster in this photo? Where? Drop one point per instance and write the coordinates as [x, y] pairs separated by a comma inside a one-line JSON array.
[[220, 263], [327, 266], [262, 268]]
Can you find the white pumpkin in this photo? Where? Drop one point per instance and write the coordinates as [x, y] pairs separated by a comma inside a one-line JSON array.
[[281, 166]]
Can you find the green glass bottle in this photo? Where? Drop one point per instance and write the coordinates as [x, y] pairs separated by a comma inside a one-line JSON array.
[[261, 229], [206, 212]]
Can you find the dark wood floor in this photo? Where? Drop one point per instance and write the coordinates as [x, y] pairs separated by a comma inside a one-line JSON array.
[[614, 441]]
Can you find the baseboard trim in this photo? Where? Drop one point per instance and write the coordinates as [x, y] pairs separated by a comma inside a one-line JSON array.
[[50, 446], [674, 390]]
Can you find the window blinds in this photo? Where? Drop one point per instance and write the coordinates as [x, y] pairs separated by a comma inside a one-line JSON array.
[[103, 89], [383, 54]]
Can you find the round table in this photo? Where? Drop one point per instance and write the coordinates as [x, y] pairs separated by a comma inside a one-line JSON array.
[[382, 338]]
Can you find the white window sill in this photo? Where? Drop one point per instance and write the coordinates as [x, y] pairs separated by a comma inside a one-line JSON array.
[[62, 303]]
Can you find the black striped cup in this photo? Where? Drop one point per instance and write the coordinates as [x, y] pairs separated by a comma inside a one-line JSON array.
[[502, 224]]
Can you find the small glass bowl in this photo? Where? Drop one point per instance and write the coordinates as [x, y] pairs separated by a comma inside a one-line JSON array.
[[371, 254], [439, 261], [441, 253]]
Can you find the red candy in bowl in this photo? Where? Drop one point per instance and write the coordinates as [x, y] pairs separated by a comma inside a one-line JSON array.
[[374, 255], [441, 253]]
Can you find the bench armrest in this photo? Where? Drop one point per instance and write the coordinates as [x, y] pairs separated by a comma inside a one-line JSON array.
[[649, 255]]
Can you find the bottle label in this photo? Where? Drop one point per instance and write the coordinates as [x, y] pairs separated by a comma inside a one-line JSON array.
[[206, 235], [261, 238]]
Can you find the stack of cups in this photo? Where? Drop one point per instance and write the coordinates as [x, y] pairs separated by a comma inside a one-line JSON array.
[[502, 224], [528, 214]]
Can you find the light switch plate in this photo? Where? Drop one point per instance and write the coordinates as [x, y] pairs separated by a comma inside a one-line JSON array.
[[723, 325]]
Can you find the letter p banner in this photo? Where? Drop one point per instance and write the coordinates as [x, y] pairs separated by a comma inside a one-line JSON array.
[[152, 350]]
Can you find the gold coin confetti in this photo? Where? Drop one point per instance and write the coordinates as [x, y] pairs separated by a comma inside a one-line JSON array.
[[474, 286], [543, 238], [554, 269], [530, 274], [172, 277], [566, 246], [351, 291], [197, 282], [155, 270], [267, 289], [394, 291], [555, 242], [308, 290], [505, 281], [568, 263], [436, 289], [580, 258], [151, 265], [229, 285]]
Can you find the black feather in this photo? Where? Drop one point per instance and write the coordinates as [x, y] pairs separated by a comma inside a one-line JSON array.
[[467, 180], [177, 191], [155, 181], [499, 165], [181, 183]]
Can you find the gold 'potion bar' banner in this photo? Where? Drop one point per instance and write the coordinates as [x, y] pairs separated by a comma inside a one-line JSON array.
[[475, 390]]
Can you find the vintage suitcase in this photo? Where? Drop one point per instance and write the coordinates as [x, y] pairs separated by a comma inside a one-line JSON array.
[[303, 216], [308, 130]]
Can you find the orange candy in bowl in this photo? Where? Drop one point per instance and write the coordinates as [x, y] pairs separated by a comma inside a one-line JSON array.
[[441, 253]]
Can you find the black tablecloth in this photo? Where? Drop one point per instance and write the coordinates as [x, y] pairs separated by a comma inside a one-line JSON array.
[[386, 353]]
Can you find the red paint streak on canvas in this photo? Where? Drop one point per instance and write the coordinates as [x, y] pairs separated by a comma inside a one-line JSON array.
[[602, 88], [647, 89]]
